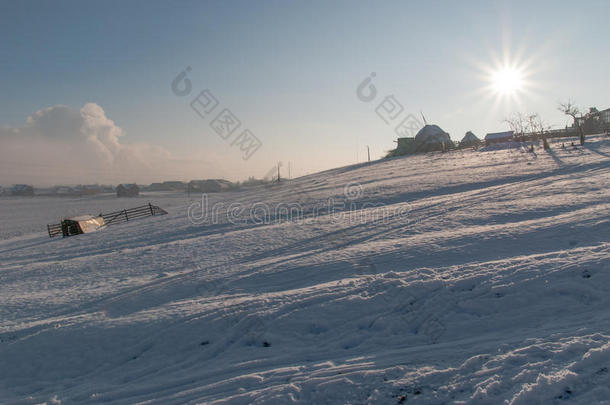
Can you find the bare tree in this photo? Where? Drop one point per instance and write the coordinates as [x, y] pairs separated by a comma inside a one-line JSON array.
[[530, 125], [568, 108], [537, 127], [517, 123]]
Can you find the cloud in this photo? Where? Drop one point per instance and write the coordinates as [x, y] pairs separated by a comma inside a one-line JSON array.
[[59, 144]]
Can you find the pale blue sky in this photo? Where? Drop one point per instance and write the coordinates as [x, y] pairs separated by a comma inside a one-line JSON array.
[[289, 70]]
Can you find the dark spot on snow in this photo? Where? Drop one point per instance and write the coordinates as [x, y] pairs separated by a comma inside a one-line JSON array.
[[585, 274], [134, 357], [402, 399], [266, 344], [602, 370], [573, 243], [567, 393], [416, 392], [8, 338], [499, 295], [205, 342]]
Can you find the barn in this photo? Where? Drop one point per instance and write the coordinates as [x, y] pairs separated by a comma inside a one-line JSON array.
[[498, 137], [127, 190]]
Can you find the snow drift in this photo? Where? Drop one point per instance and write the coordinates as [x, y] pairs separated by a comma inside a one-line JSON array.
[[418, 286]]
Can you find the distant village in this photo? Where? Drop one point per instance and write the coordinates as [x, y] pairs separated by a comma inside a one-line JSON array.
[[430, 138], [127, 190]]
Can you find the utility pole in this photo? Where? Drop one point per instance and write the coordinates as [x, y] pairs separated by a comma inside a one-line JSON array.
[[368, 151], [278, 171]]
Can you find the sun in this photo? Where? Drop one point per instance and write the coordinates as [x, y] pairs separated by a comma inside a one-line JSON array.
[[510, 77], [507, 81]]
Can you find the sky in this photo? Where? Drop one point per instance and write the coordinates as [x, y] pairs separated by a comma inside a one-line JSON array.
[[89, 91]]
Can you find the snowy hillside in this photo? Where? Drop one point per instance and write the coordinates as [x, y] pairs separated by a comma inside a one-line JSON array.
[[465, 277]]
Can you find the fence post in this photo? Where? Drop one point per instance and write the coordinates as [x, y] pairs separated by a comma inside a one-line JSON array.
[[151, 209], [126, 217]]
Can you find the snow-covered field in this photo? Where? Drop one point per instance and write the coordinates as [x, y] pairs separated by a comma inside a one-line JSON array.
[[466, 277]]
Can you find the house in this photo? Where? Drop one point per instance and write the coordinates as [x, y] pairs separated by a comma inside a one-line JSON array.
[[174, 185], [168, 186], [89, 189], [127, 190], [595, 121], [432, 138], [469, 140], [155, 187], [498, 137], [23, 190], [209, 186]]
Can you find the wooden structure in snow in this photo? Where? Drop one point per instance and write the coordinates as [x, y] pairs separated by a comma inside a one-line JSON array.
[[87, 223], [81, 224]]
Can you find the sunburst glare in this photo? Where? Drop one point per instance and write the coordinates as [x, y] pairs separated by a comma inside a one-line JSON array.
[[508, 78]]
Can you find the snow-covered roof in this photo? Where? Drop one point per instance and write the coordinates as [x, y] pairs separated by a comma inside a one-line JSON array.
[[88, 223], [499, 135], [81, 218], [431, 138], [431, 134]]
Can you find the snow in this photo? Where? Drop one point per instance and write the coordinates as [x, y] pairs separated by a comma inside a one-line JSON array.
[[464, 277]]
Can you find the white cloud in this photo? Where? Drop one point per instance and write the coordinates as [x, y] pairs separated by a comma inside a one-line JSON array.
[[59, 144]]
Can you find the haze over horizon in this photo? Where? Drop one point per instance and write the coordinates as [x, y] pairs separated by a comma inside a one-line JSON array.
[[87, 88]]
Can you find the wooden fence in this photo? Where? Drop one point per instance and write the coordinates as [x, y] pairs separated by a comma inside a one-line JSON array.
[[115, 217]]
